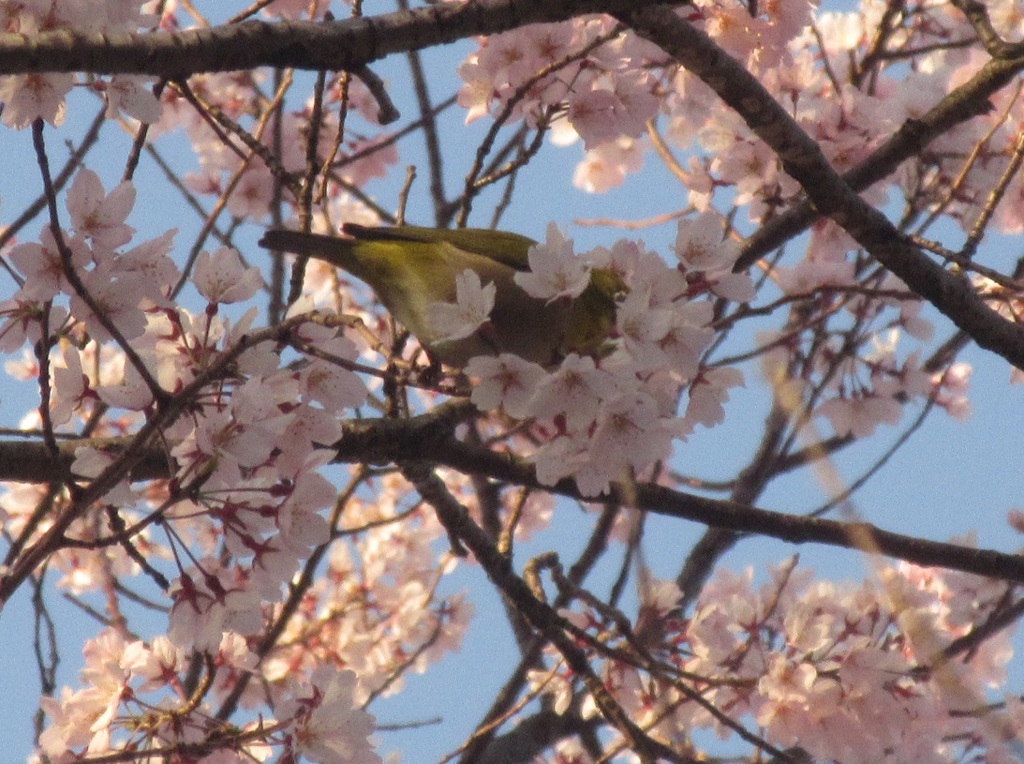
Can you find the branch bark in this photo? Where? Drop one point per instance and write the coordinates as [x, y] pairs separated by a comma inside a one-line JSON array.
[[315, 45], [428, 437]]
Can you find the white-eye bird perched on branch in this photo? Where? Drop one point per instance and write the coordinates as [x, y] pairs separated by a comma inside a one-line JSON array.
[[411, 268]]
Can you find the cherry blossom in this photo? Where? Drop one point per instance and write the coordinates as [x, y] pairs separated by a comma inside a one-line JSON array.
[[131, 96], [506, 380], [700, 246], [593, 115], [24, 321], [327, 727], [252, 195], [114, 295], [554, 269], [210, 601], [809, 275], [220, 277], [708, 394], [574, 390], [628, 433], [71, 387], [473, 304], [98, 216], [642, 328], [34, 96], [151, 261], [332, 386], [606, 166], [41, 265]]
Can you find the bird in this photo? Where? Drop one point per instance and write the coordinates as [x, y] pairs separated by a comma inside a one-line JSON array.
[[412, 267]]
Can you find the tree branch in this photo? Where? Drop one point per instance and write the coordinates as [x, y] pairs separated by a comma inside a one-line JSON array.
[[428, 437], [314, 45]]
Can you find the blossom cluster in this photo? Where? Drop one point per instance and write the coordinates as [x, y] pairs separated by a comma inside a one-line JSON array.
[[121, 347], [136, 697], [852, 673], [374, 612], [602, 95], [602, 419]]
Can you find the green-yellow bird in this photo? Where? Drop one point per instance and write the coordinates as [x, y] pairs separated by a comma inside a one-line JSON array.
[[411, 268]]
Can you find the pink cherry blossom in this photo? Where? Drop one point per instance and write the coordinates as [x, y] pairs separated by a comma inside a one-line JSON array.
[[592, 114], [555, 271], [326, 726], [209, 601], [473, 304], [953, 385], [699, 244], [709, 392], [23, 320], [629, 433], [642, 328], [131, 95], [27, 97], [98, 216], [151, 261], [115, 295], [71, 387], [575, 390], [809, 275], [606, 166], [42, 267], [129, 392], [329, 384], [860, 415], [252, 195], [157, 663], [506, 381], [221, 277]]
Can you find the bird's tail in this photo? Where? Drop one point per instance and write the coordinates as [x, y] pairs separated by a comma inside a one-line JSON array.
[[331, 249]]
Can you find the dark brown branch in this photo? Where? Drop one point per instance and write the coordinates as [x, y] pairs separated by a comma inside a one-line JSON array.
[[429, 437], [478, 746], [314, 45]]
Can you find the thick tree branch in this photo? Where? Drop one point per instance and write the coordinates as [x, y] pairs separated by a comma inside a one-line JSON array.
[[429, 437], [316, 45]]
